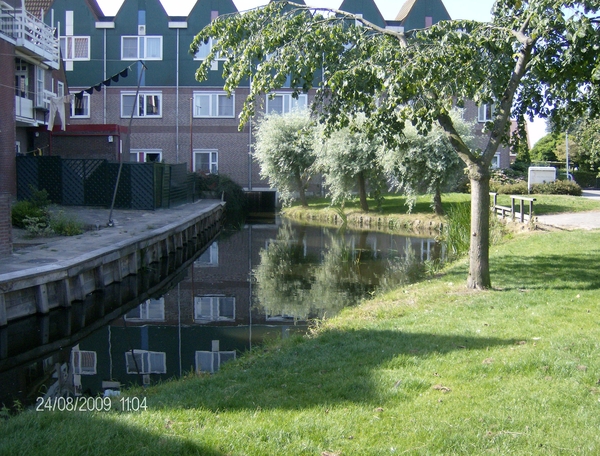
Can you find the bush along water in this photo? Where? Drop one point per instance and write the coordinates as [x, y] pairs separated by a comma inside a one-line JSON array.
[[221, 186], [33, 216]]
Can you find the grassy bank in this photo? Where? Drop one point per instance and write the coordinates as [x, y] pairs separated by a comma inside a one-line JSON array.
[[393, 213], [431, 368]]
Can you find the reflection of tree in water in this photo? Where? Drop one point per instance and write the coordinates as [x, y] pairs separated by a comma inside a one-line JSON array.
[[344, 277], [284, 276], [291, 283]]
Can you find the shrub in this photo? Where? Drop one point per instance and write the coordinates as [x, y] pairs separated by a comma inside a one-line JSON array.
[[503, 177], [22, 210], [558, 187], [34, 208], [64, 225], [519, 188], [219, 184], [37, 226]]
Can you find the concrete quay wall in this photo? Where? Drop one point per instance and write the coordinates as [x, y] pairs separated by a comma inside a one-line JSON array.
[[40, 289]]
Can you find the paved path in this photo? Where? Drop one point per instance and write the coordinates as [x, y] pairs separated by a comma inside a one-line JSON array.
[[575, 220], [128, 224]]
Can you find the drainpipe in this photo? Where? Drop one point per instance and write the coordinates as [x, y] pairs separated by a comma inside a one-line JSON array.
[[177, 102], [104, 91], [250, 141]]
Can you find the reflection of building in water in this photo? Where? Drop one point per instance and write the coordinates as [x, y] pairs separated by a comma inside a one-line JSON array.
[[211, 311]]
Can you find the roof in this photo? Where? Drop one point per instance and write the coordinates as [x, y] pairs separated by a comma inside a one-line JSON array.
[[35, 7], [418, 14], [408, 4]]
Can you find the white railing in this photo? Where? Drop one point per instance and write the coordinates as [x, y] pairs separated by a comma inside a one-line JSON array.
[[31, 33]]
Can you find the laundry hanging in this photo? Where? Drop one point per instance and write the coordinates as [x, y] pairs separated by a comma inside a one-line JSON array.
[[57, 107], [114, 78]]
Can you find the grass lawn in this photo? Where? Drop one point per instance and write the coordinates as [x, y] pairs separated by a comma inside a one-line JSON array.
[[394, 211], [431, 368]]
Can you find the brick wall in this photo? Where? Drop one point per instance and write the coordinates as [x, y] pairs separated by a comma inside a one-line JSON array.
[[7, 119], [5, 225]]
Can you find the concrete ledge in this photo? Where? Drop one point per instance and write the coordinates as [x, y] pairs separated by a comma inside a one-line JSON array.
[[42, 288]]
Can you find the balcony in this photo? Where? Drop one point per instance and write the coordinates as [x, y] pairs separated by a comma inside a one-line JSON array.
[[30, 35]]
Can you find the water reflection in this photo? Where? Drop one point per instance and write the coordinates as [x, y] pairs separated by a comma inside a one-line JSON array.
[[262, 281]]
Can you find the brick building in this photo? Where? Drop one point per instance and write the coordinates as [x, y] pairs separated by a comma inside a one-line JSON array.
[[176, 119], [31, 86]]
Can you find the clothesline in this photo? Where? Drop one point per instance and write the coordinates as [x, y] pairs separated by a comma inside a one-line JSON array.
[[57, 104]]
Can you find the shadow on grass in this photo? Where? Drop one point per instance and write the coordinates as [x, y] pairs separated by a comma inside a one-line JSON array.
[[87, 433], [558, 272], [338, 366]]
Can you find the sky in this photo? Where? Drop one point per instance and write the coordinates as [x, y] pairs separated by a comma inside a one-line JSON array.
[[479, 10]]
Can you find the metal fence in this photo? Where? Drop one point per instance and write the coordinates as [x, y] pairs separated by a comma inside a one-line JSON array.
[[91, 182]]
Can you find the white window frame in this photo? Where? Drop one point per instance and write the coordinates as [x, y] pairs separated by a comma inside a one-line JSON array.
[[83, 362], [85, 99], [288, 103], [60, 89], [149, 362], [485, 112], [204, 50], [210, 257], [149, 310], [213, 160], [142, 46], [68, 46], [141, 155], [40, 87], [212, 303], [215, 359], [136, 111], [495, 164], [200, 98]]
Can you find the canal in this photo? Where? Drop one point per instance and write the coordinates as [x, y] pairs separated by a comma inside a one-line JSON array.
[[192, 314]]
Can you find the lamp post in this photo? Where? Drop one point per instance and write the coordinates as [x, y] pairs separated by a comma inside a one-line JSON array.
[[567, 154]]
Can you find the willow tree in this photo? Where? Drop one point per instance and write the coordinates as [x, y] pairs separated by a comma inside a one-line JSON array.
[[535, 57], [284, 150], [426, 163], [348, 160]]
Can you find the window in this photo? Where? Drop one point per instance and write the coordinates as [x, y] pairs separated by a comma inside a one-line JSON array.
[[21, 79], [496, 162], [146, 362], [141, 47], [80, 106], [150, 310], [214, 308], [206, 161], [148, 105], [207, 361], [213, 104], [39, 87], [283, 103], [75, 47], [83, 362], [146, 156], [484, 112], [210, 257], [204, 50]]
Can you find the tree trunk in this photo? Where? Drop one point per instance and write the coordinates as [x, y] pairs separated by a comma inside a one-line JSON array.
[[301, 192], [479, 252], [437, 202], [362, 192]]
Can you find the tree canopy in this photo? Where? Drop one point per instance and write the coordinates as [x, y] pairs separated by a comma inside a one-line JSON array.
[[348, 158], [284, 149], [535, 57]]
